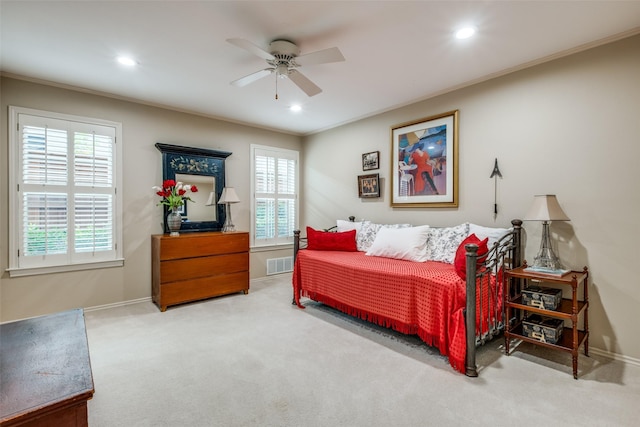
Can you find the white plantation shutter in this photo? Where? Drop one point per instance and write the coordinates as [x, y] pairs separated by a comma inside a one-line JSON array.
[[275, 189], [93, 223], [264, 204], [44, 222], [287, 197], [44, 154], [93, 160], [65, 181], [265, 218]]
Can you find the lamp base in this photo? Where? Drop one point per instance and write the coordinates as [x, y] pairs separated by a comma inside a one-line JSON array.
[[547, 261], [228, 227], [228, 222]]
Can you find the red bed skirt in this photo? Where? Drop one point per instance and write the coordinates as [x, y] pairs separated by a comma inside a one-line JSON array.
[[427, 299]]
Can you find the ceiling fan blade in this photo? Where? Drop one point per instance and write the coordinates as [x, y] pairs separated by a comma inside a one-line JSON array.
[[324, 56], [248, 46], [243, 81], [304, 83]]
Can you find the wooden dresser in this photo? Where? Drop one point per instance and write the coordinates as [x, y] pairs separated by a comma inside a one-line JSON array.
[[195, 266]]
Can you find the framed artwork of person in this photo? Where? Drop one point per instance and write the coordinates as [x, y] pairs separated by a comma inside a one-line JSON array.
[[424, 162]]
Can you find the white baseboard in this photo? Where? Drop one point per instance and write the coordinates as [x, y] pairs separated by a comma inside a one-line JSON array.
[[148, 299], [615, 356], [118, 304], [270, 277], [94, 308]]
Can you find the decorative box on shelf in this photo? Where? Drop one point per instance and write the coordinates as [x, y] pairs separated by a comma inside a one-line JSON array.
[[543, 329], [541, 297]]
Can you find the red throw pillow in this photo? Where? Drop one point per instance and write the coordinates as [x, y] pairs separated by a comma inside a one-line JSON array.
[[460, 262], [327, 241]]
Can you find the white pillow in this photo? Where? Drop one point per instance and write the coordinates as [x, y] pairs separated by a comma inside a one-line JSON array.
[[368, 232], [343, 225], [494, 234], [401, 243], [443, 242]]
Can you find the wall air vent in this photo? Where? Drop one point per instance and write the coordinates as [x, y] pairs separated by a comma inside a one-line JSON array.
[[279, 265]]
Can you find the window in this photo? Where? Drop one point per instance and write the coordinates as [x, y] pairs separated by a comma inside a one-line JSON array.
[[64, 208], [275, 195]]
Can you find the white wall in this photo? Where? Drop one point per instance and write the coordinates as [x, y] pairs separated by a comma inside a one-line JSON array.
[[570, 127], [143, 126]]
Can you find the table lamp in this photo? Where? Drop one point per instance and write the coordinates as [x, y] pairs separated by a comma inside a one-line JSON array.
[[228, 196], [211, 201], [546, 208]]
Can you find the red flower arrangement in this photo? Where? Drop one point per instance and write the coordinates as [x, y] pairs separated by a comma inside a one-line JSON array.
[[174, 194]]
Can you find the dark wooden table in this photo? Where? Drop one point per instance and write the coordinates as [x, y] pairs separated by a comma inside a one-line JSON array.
[[45, 371]]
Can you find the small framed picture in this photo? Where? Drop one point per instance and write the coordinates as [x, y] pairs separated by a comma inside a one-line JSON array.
[[370, 161], [369, 185]]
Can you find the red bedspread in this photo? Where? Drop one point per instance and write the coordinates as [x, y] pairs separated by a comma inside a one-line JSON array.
[[427, 299]]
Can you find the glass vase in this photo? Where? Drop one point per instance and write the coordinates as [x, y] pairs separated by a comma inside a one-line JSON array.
[[174, 222]]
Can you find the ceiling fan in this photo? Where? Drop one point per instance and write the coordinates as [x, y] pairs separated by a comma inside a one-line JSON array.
[[284, 59]]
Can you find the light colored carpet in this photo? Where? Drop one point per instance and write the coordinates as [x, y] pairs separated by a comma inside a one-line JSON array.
[[256, 360]]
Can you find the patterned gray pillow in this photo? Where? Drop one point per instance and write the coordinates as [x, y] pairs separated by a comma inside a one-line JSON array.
[[368, 232], [443, 243]]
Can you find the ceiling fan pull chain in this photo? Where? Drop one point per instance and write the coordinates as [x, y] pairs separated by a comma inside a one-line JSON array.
[[276, 86]]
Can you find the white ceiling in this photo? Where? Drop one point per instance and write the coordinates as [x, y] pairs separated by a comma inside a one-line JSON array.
[[397, 52]]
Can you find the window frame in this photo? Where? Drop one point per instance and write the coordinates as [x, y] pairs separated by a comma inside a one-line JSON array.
[[279, 153], [15, 221]]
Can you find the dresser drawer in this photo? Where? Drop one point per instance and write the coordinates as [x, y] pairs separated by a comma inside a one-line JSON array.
[[192, 268], [203, 244], [204, 287]]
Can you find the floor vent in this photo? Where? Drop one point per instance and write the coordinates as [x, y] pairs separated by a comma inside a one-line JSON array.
[[279, 265]]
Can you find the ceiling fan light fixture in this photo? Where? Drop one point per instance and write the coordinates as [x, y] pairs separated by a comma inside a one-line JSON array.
[[282, 70]]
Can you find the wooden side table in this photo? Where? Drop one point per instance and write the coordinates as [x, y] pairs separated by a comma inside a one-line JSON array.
[[569, 309]]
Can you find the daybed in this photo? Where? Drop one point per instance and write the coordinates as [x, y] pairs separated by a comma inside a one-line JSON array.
[[436, 299]]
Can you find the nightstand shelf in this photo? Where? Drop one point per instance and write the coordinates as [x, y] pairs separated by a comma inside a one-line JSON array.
[[569, 309], [565, 343], [564, 311]]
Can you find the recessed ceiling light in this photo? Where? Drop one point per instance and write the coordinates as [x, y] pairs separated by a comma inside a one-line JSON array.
[[465, 33], [295, 108], [125, 60]]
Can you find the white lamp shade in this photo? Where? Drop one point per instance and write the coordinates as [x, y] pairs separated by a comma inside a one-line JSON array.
[[212, 199], [545, 207], [228, 196]]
